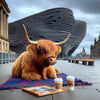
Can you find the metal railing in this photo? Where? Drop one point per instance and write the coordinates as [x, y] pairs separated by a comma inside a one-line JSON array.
[[7, 57]]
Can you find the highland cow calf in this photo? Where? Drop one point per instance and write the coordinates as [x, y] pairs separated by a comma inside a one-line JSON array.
[[36, 63]]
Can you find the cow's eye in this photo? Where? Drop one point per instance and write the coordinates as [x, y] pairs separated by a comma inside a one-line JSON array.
[[44, 51], [38, 51], [41, 51]]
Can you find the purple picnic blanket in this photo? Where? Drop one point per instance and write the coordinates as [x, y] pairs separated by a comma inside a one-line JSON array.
[[18, 82]]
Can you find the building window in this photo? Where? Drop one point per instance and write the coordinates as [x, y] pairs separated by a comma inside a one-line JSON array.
[[97, 51], [0, 46], [94, 53]]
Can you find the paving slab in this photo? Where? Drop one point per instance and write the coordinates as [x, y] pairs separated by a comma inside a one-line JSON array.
[[5, 72], [4, 94], [93, 86], [81, 94], [18, 94], [85, 73]]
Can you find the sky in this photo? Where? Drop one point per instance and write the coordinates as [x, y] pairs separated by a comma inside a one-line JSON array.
[[86, 10]]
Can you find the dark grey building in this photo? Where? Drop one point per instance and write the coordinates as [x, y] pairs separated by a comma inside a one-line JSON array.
[[52, 24]]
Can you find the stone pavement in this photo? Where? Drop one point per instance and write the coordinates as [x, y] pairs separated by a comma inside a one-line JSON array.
[[86, 73]]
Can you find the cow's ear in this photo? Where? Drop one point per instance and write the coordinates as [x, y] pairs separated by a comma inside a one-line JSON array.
[[31, 48], [59, 50]]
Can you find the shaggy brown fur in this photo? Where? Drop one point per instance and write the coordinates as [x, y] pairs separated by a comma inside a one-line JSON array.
[[31, 64]]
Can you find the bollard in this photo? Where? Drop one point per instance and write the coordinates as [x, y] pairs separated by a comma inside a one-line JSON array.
[[84, 62], [73, 61], [77, 61], [69, 60], [91, 63]]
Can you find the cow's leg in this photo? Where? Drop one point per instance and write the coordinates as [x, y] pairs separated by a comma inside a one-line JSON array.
[[48, 72], [57, 71], [44, 73], [51, 73], [31, 76], [16, 70]]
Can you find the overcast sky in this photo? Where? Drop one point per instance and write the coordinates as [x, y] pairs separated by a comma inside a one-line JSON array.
[[86, 10]]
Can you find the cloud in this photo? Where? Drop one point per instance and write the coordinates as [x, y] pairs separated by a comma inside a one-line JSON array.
[[86, 6], [89, 6], [35, 6]]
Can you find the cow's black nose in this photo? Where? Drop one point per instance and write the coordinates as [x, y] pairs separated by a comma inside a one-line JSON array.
[[52, 61]]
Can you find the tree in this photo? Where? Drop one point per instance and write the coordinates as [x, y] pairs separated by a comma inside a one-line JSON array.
[[95, 41], [99, 37], [91, 46]]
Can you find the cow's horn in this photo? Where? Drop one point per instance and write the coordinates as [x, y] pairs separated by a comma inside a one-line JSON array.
[[27, 38], [62, 42]]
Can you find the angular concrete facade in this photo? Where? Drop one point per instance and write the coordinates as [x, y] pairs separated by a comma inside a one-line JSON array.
[[51, 24], [4, 10]]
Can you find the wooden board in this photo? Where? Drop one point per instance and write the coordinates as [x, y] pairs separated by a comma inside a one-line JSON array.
[[42, 90]]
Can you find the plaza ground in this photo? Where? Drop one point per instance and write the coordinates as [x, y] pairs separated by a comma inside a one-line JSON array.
[[83, 72]]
